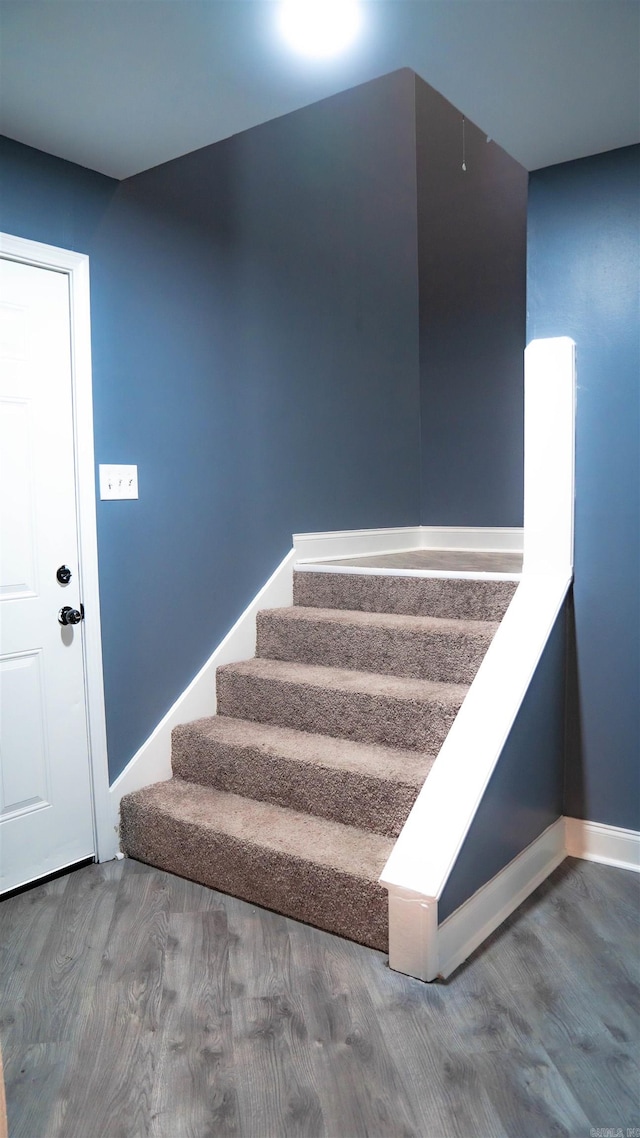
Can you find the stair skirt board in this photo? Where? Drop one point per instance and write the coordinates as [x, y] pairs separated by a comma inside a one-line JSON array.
[[292, 795], [152, 761]]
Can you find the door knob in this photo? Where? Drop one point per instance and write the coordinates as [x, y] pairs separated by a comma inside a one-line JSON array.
[[67, 615]]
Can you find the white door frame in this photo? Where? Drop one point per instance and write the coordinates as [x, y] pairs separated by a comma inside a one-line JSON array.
[[76, 267]]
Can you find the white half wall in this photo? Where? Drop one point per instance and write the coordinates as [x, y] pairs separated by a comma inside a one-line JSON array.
[[430, 841], [432, 837]]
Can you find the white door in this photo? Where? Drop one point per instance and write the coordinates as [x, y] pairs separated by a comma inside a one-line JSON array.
[[46, 819]]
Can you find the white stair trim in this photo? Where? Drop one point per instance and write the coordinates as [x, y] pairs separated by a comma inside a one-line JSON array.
[[473, 539], [413, 933], [432, 837], [354, 543], [549, 454], [461, 933], [595, 841]]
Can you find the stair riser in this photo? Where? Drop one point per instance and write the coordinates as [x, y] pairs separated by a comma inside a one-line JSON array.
[[420, 725], [444, 657], [342, 796], [461, 599], [337, 902]]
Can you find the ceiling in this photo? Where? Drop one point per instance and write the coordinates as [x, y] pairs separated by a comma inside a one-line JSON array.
[[122, 85]]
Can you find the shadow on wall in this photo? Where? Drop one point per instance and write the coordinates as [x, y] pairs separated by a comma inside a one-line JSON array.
[[575, 797]]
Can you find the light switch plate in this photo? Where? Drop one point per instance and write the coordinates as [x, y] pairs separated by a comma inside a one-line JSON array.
[[118, 482]]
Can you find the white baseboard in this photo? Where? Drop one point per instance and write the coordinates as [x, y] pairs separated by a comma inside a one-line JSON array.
[[314, 547], [478, 917], [152, 762], [354, 543], [473, 539], [611, 845], [418, 947]]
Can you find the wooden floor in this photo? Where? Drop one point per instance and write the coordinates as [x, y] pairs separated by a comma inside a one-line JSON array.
[[133, 1003], [442, 560]]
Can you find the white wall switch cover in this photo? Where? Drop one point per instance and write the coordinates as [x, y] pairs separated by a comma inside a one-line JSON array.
[[118, 482]]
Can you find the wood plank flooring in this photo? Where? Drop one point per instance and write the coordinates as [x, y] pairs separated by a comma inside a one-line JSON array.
[[135, 1004]]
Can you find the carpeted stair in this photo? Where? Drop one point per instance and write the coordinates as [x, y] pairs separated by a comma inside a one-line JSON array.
[[292, 795]]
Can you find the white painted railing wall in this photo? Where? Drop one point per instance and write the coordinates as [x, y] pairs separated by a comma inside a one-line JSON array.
[[428, 846]]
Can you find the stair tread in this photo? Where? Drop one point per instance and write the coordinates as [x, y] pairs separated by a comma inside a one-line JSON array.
[[346, 680], [393, 764], [440, 597], [306, 837], [401, 621]]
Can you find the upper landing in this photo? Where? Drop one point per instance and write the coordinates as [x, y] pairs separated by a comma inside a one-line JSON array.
[[440, 562]]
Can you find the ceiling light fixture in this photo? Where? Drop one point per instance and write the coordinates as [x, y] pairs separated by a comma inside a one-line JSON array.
[[320, 28]]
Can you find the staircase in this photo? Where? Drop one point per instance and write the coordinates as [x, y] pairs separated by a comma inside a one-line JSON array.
[[291, 796]]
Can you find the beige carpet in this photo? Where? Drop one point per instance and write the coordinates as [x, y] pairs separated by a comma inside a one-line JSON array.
[[292, 795]]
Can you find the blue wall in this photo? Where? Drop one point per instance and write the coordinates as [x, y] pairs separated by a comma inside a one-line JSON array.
[[525, 792], [255, 351], [46, 199], [583, 282], [472, 233], [256, 318], [254, 311], [575, 748]]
